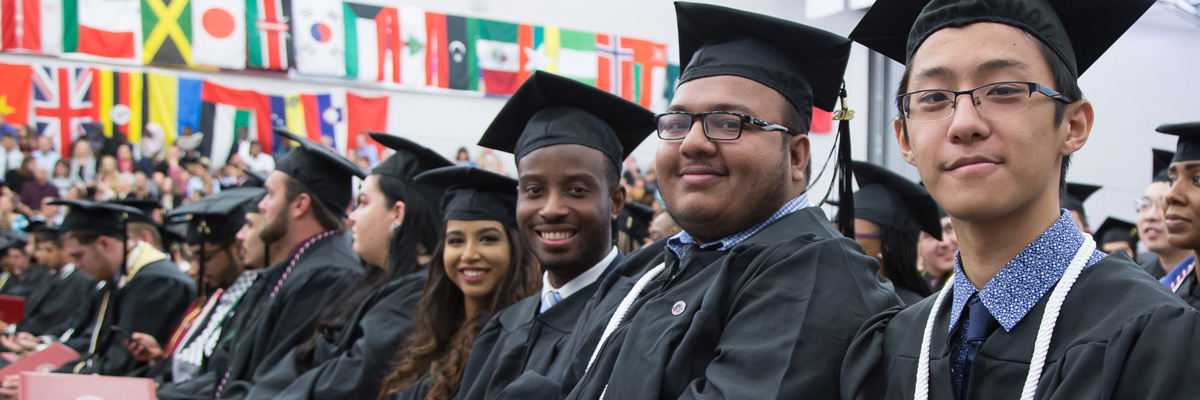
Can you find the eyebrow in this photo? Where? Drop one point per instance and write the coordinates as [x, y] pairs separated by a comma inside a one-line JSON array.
[[1188, 166], [486, 230], [574, 177], [1002, 63], [934, 72], [716, 107]]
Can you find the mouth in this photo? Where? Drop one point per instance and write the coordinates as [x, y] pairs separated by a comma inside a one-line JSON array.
[[1177, 223], [973, 163], [555, 236], [699, 174], [473, 275]]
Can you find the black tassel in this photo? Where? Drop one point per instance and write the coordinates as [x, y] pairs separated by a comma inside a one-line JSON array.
[[842, 170]]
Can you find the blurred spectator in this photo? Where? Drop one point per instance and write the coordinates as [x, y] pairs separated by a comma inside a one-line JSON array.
[[50, 213], [364, 148], [489, 161], [142, 187], [231, 176], [17, 177], [189, 143], [123, 188], [171, 166], [151, 146], [28, 142], [258, 161], [463, 157], [327, 142], [10, 219], [9, 153], [168, 197], [45, 155], [35, 190], [244, 140], [61, 178], [124, 159], [83, 161], [106, 171], [201, 180]]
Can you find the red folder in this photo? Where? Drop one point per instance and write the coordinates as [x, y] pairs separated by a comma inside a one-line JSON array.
[[44, 386], [12, 309], [46, 360]]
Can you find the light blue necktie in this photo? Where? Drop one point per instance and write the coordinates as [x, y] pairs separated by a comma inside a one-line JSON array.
[[549, 300]]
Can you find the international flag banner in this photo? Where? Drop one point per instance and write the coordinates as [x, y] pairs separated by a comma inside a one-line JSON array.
[[498, 55], [219, 33], [268, 37], [373, 46], [414, 46], [364, 115], [577, 56], [318, 37], [118, 98], [62, 103], [106, 28], [224, 110], [167, 29], [173, 103], [672, 81], [31, 25], [15, 92], [539, 50], [449, 54], [608, 67], [643, 70], [324, 117]]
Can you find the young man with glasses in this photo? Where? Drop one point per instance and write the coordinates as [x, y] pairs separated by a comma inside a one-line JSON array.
[[1151, 222], [1034, 310], [759, 295]]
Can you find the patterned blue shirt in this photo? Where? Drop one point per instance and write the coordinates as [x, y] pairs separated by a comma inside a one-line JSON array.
[[1020, 284], [1170, 277], [676, 243]]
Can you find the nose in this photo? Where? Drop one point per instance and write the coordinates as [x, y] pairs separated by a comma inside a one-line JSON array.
[[553, 208], [696, 144], [1175, 197], [966, 124]]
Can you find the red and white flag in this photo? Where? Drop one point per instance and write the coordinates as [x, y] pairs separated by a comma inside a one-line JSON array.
[[32, 25], [62, 103]]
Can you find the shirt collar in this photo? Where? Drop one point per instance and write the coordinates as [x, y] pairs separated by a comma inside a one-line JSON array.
[[1170, 277], [66, 270], [581, 281], [1026, 278], [676, 242]]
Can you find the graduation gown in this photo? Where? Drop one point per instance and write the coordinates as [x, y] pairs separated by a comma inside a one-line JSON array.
[[353, 364], [908, 296], [281, 323], [769, 318], [1149, 262], [519, 344], [54, 306], [418, 390], [1189, 290], [32, 280], [1120, 335], [152, 302]]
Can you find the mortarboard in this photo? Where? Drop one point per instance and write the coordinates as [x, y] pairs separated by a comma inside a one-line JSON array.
[[146, 206], [889, 199], [216, 217], [253, 178], [1076, 194], [635, 220], [474, 194], [324, 173], [1117, 230], [410, 160], [1078, 32], [1188, 146], [13, 240], [549, 109], [1162, 160], [104, 218]]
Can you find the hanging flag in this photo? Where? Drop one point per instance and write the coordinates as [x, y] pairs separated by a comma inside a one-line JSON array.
[[324, 117], [223, 112], [672, 81], [31, 25], [539, 50], [117, 97], [14, 93], [577, 57], [373, 46], [167, 28], [173, 103], [364, 115], [319, 41], [62, 103], [107, 28], [412, 55], [219, 33], [643, 70], [608, 67], [269, 41], [449, 54], [498, 56]]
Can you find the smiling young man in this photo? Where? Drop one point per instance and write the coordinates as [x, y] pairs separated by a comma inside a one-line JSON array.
[[1034, 309], [759, 295], [569, 139], [1183, 209]]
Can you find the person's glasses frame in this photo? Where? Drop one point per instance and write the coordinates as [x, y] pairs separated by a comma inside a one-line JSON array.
[[743, 119], [904, 100]]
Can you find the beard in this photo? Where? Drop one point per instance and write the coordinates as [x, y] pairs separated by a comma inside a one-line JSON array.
[[275, 230]]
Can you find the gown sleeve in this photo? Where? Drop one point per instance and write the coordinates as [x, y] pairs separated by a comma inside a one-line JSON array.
[[863, 376]]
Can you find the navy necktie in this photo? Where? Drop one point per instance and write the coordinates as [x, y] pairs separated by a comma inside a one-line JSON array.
[[980, 325]]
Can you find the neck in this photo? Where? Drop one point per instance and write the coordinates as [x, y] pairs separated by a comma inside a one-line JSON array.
[[470, 307], [562, 277], [300, 231], [985, 246], [1171, 257]]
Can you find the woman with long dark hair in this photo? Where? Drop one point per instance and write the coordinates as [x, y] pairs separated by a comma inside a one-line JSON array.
[[396, 221], [480, 267], [890, 212]]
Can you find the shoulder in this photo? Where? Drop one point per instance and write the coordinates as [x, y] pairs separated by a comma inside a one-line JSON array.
[[519, 314], [161, 271], [329, 256]]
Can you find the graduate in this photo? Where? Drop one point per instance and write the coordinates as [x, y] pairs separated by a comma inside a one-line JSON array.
[[1162, 257], [349, 351], [306, 198], [66, 291], [759, 295], [481, 266], [1117, 235], [212, 226], [569, 139], [936, 257], [21, 278], [1182, 209], [890, 213], [1034, 310], [1072, 199]]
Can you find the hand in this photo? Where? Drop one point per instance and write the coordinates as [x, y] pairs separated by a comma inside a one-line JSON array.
[[20, 344], [144, 348], [11, 386]]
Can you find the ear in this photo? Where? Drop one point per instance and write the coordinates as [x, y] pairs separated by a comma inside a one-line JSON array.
[[902, 140], [616, 202], [1078, 126], [300, 205], [398, 208], [798, 148]]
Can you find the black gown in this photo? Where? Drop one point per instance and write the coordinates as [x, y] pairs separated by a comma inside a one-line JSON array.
[[908, 296], [281, 323], [32, 280], [1149, 262], [1189, 290], [354, 363], [152, 302], [769, 318], [55, 305], [520, 345], [1120, 335]]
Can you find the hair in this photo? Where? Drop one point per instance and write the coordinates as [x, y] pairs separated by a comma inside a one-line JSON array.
[[900, 260], [419, 228], [136, 229], [441, 343], [1065, 83], [84, 237], [292, 188]]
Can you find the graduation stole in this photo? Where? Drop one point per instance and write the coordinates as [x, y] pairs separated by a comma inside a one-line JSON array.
[[1175, 284]]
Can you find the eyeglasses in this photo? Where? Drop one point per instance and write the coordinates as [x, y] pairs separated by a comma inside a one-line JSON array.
[[1145, 203], [718, 125], [993, 99], [191, 257]]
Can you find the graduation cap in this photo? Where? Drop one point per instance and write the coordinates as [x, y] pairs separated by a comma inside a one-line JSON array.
[[147, 208], [889, 199], [13, 240], [635, 221], [474, 194], [1117, 230], [549, 109], [1162, 160], [1188, 146], [104, 218], [324, 173], [216, 217], [1076, 194], [410, 160], [253, 178], [1078, 32]]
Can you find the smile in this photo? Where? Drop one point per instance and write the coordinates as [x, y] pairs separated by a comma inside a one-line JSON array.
[[556, 235]]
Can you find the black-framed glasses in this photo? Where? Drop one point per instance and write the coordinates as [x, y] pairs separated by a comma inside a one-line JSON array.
[[718, 125], [993, 99]]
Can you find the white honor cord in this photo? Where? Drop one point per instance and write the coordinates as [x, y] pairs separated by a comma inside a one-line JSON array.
[[1045, 330], [622, 309]]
